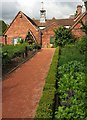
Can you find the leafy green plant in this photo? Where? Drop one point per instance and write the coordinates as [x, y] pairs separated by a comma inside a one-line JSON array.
[[62, 36], [10, 51], [72, 91], [72, 82], [3, 27], [82, 45], [36, 46], [69, 53], [84, 27]]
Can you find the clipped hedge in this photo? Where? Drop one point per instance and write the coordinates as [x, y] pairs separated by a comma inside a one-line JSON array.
[[72, 82], [45, 107], [72, 91]]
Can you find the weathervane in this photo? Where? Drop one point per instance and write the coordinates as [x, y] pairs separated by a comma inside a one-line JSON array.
[[42, 4]]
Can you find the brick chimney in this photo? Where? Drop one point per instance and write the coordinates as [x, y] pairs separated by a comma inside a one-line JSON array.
[[79, 10]]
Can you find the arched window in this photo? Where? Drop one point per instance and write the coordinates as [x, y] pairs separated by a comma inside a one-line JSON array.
[[30, 38]]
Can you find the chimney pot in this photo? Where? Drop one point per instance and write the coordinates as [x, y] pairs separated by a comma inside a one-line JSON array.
[[79, 9]]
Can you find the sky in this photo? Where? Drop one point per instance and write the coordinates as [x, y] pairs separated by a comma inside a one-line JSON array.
[[54, 8]]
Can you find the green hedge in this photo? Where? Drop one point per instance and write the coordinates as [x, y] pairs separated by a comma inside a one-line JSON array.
[[11, 51], [82, 45], [69, 53], [72, 91], [72, 82], [45, 106]]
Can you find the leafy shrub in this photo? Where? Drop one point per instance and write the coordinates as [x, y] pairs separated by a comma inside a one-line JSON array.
[[10, 51], [72, 67], [69, 53], [72, 83], [84, 27], [82, 45], [33, 46], [3, 27], [44, 110], [72, 91], [30, 47], [63, 36], [36, 46]]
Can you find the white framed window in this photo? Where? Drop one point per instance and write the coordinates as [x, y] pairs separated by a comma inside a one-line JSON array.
[[16, 40]]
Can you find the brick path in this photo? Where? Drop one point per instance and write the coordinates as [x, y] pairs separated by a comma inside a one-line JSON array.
[[22, 89]]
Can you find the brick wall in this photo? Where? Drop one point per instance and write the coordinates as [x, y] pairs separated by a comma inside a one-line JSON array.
[[2, 40], [49, 31], [20, 28], [78, 33]]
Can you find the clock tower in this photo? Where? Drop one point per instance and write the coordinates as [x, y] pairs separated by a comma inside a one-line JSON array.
[[42, 14]]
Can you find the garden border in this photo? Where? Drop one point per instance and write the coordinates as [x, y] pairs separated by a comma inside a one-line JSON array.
[[3, 77], [45, 107]]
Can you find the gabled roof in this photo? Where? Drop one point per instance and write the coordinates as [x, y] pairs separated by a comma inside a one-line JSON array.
[[62, 22], [30, 19], [53, 24], [79, 19], [27, 18]]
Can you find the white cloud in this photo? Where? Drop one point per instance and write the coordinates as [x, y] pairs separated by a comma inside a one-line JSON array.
[[54, 8]]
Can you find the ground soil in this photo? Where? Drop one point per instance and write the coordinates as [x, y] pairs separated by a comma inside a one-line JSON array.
[[22, 89]]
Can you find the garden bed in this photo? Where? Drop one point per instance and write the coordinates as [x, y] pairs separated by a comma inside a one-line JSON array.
[[14, 56], [72, 83], [65, 90], [16, 62]]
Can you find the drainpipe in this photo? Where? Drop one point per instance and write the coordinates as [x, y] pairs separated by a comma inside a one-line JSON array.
[[40, 33], [5, 39]]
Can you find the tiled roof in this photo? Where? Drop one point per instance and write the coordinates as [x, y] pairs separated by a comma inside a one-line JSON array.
[[53, 24], [30, 20], [62, 22]]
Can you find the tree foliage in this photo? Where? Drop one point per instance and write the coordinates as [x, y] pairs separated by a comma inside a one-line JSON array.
[[3, 27], [85, 4], [62, 36], [84, 27]]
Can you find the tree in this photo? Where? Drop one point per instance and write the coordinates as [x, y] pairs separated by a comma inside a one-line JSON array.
[[85, 5], [3, 27], [84, 27], [62, 36], [85, 2]]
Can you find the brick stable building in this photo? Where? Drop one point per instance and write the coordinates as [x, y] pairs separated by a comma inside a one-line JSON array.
[[42, 31]]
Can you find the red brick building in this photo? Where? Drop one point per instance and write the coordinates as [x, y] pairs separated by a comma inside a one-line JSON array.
[[20, 27], [42, 31], [76, 27]]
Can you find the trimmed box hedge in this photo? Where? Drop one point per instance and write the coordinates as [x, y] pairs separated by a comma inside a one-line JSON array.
[[72, 83], [45, 107]]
